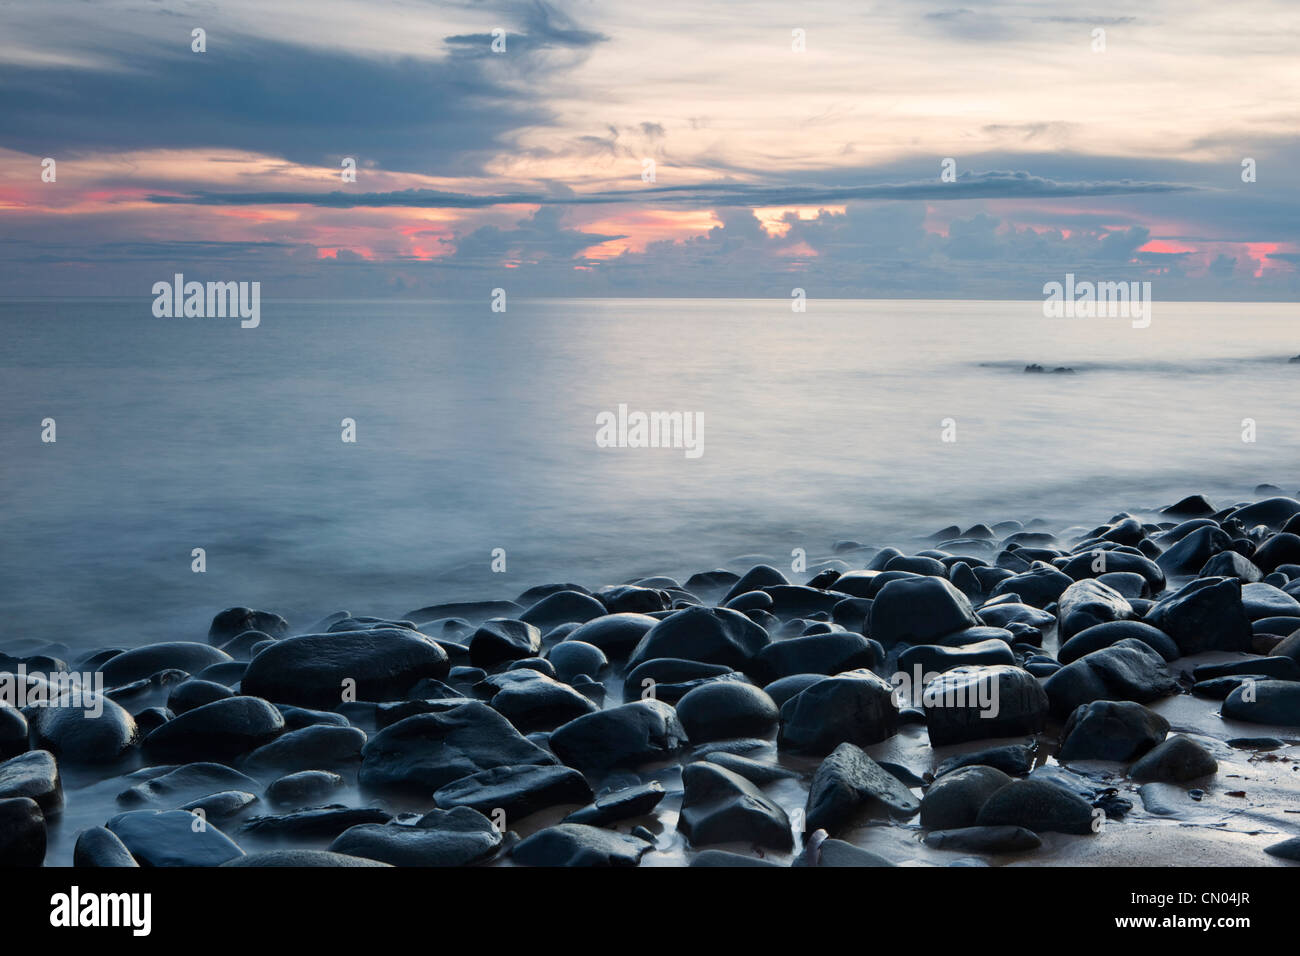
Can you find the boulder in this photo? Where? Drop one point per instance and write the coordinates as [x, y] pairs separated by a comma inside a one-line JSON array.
[[576, 844], [1111, 730], [218, 731], [625, 736], [849, 782], [919, 610], [855, 707], [719, 806], [706, 634]]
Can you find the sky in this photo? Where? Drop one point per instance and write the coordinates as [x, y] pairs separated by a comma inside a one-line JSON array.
[[619, 148]]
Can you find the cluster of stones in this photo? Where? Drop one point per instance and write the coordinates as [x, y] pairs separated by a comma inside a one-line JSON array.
[[459, 721]]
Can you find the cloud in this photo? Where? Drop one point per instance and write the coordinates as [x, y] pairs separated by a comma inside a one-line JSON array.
[[990, 185]]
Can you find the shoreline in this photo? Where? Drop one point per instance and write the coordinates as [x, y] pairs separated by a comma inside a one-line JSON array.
[[718, 720]]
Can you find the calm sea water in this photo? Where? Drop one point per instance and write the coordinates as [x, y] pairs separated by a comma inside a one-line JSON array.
[[476, 431]]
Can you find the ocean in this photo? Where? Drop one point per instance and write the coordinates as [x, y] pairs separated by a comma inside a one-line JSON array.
[[476, 433]]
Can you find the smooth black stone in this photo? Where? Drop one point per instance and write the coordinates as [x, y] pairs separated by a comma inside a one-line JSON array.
[[1087, 603], [847, 783], [919, 610], [517, 791], [988, 839], [311, 670], [1273, 667], [1038, 587], [1219, 688], [1275, 702], [1274, 512], [956, 711], [934, 659], [1105, 635], [300, 858], [723, 709], [1230, 564], [1204, 615], [712, 858], [817, 654], [234, 621], [100, 847], [502, 639], [75, 736], [1193, 506], [1111, 730], [304, 788], [218, 731], [314, 823], [561, 608], [782, 690], [625, 736], [142, 662], [1193, 551], [616, 635], [427, 751], [633, 599], [1174, 761], [190, 694], [13, 731], [954, 800], [575, 844], [619, 805], [22, 832], [1286, 850], [34, 774], [456, 837], [1037, 805], [573, 657], [532, 701], [705, 634], [719, 806], [186, 783], [1128, 670], [855, 707], [170, 838]]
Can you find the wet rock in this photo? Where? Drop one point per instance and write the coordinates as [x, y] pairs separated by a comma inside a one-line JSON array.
[[1263, 601], [310, 670], [855, 707], [185, 783], [1286, 850], [1231, 564], [1008, 614], [100, 847], [1266, 702], [1204, 615], [619, 805], [817, 654], [919, 610], [1111, 633], [142, 662], [533, 701], [427, 751], [1038, 587], [1177, 759], [625, 736], [518, 791], [1193, 506], [34, 774], [315, 823], [1083, 565], [782, 690], [456, 837], [793, 600], [1273, 512], [218, 731], [1128, 670], [719, 806], [575, 844], [95, 730], [22, 832], [974, 703], [1087, 603], [838, 853], [1111, 730], [633, 599], [616, 635], [705, 634], [13, 731], [315, 747], [1013, 759], [1219, 688], [561, 608], [303, 788], [190, 694], [954, 800], [714, 858], [170, 838], [1037, 805], [234, 621], [1194, 551], [934, 659], [300, 858], [755, 771], [571, 658], [974, 839], [847, 783], [1273, 667], [720, 710], [502, 639]]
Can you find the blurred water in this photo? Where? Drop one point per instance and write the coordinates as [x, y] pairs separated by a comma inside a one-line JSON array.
[[477, 431]]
